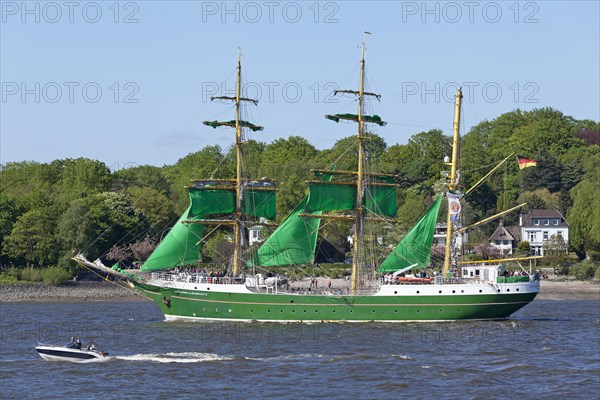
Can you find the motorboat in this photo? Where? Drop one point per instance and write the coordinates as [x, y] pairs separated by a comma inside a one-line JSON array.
[[69, 352]]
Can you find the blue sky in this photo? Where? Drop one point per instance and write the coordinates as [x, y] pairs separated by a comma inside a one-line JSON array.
[[128, 83]]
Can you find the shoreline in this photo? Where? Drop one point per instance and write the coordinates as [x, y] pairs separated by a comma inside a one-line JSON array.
[[109, 291]]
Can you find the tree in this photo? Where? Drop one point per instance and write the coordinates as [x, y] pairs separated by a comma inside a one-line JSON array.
[[141, 176], [154, 205], [288, 162], [32, 239], [584, 215], [487, 252], [555, 251]]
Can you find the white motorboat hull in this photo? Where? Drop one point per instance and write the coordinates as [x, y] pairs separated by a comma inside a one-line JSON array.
[[59, 353]]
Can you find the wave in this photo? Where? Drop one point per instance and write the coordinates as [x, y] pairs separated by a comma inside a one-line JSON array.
[[185, 357]]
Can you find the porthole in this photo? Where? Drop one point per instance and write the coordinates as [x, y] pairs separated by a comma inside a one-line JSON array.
[[396, 292], [268, 311], [395, 311], [251, 310], [291, 301], [418, 292], [418, 311], [333, 311], [373, 311], [508, 290], [458, 310], [207, 288], [304, 310], [195, 287], [479, 290], [498, 290], [293, 311], [281, 311], [440, 292], [351, 311], [216, 309], [462, 291], [454, 291], [517, 289], [440, 310]]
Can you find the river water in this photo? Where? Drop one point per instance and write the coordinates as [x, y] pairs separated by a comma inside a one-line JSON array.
[[549, 349]]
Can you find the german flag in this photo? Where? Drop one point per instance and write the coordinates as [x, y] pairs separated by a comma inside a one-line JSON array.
[[526, 162]]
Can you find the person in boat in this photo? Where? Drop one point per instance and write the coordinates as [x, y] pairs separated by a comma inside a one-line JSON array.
[[78, 344]]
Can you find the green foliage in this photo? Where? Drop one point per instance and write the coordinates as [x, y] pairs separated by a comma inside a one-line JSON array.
[[523, 248], [155, 207], [31, 275], [584, 215], [584, 270], [32, 237], [55, 275]]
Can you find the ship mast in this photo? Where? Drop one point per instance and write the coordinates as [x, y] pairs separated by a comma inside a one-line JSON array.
[[238, 124], [452, 185], [238, 173], [359, 215]]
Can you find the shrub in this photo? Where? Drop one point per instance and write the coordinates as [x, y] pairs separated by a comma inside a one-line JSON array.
[[55, 275], [597, 274], [6, 278], [31, 275], [583, 270]]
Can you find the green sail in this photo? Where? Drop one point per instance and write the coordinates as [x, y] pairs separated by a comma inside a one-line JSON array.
[[245, 124], [208, 201], [330, 197], [259, 203], [375, 119], [415, 248], [380, 200], [293, 242], [179, 247]]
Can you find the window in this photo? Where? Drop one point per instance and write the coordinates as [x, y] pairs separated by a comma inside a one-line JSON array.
[[536, 221], [531, 236], [546, 222], [559, 233], [555, 222], [545, 235], [498, 242]]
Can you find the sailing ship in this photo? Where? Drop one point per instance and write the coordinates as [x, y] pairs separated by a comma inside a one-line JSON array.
[[382, 293]]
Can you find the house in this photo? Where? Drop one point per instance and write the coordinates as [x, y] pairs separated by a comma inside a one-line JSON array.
[[503, 240], [538, 226], [439, 236], [255, 234]]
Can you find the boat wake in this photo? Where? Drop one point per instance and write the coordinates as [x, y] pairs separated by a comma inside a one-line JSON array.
[[186, 357]]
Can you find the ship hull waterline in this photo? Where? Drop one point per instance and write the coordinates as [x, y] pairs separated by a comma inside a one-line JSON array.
[[183, 304]]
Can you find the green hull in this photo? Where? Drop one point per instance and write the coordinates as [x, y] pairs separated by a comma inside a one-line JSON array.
[[184, 304]]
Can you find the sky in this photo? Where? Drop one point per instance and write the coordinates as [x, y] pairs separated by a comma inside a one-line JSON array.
[[129, 83]]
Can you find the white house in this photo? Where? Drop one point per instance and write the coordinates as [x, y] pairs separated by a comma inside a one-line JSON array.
[[439, 236], [503, 240], [538, 226]]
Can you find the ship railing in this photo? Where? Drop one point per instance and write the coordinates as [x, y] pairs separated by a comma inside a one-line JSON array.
[[195, 277]]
